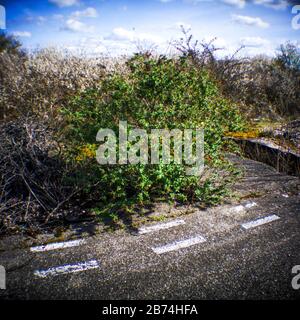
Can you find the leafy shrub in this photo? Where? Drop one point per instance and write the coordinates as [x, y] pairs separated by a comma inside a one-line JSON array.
[[10, 44], [263, 87], [152, 93]]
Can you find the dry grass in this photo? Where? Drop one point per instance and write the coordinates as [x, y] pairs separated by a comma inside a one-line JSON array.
[[43, 81], [263, 87]]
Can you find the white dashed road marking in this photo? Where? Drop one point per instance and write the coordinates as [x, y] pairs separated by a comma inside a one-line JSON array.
[[237, 209], [250, 204], [161, 226], [69, 268], [258, 222], [179, 244], [57, 245]]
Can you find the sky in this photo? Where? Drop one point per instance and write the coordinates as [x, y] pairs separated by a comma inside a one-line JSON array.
[[122, 26]]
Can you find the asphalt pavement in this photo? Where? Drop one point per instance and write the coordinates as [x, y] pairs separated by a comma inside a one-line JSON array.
[[242, 250]]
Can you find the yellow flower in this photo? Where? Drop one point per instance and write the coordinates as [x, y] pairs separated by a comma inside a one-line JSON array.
[[87, 151], [244, 135]]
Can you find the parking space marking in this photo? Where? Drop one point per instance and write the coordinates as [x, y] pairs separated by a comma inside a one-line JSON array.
[[57, 245], [161, 226], [68, 268], [179, 244], [250, 205], [259, 222]]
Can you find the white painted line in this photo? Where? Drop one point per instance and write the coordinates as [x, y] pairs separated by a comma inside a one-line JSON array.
[[258, 222], [250, 204], [57, 245], [69, 268], [161, 226], [179, 244], [237, 209]]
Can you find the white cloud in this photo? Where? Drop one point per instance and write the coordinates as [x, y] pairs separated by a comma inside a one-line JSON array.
[[254, 42], [165, 1], [58, 17], [93, 46], [256, 45], [250, 21], [274, 4], [87, 13], [77, 26], [258, 51], [25, 34], [238, 3], [65, 3], [121, 34]]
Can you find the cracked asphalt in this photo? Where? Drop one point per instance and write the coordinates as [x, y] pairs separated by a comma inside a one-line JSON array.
[[233, 263]]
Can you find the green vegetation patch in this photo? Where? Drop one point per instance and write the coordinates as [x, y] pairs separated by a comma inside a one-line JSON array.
[[154, 93]]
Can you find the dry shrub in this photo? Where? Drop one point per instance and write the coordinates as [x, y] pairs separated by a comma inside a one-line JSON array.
[[262, 86], [33, 90], [43, 81], [31, 174]]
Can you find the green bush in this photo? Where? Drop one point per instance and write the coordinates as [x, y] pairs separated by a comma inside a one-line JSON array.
[[152, 93], [10, 44]]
